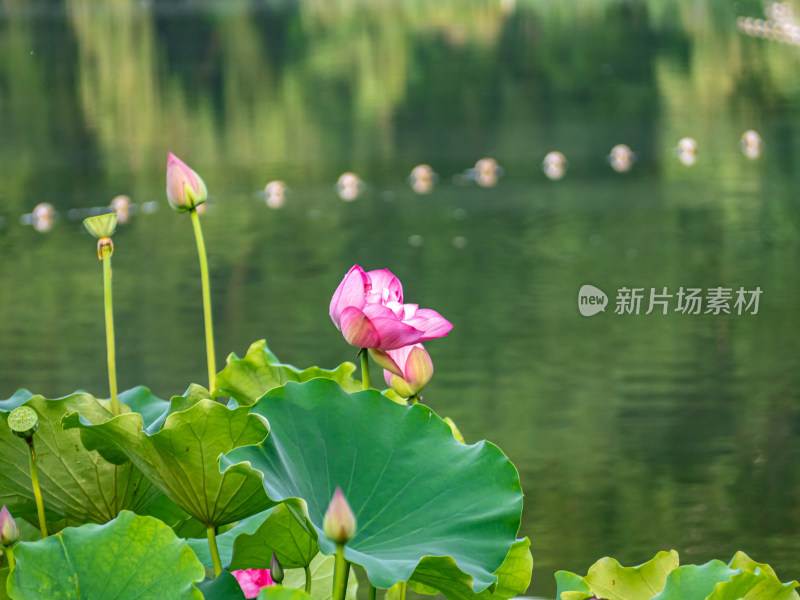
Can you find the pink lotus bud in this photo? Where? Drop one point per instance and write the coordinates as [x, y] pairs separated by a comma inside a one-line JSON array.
[[339, 523], [252, 580], [9, 532], [368, 309], [185, 189], [412, 370]]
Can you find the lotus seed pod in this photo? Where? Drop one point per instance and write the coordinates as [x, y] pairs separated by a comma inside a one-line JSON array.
[[23, 422]]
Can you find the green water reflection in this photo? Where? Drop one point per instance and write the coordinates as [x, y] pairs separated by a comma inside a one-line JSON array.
[[631, 433]]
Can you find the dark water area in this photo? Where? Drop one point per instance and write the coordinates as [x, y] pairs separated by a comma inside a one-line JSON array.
[[632, 433]]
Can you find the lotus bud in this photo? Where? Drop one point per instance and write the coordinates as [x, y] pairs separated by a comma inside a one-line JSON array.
[[9, 532], [23, 422], [185, 190], [339, 523], [102, 227], [276, 570], [407, 370]]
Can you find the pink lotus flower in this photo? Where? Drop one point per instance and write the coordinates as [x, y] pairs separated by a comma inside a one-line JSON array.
[[185, 189], [407, 370], [368, 309], [252, 580]]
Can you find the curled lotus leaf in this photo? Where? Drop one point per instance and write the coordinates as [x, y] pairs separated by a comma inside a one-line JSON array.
[[247, 379], [180, 454]]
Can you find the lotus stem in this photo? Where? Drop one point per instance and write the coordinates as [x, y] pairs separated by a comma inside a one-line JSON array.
[[110, 347], [10, 554], [372, 592], [212, 546], [403, 589], [37, 491], [201, 252], [308, 579], [340, 574], [365, 368]]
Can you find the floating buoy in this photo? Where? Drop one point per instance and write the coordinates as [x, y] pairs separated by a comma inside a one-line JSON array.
[[422, 179], [487, 172], [44, 217], [275, 194], [554, 165], [621, 158], [122, 206], [751, 144], [349, 186], [687, 151]]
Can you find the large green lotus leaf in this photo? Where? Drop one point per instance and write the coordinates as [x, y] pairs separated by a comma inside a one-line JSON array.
[[761, 585], [693, 582], [182, 457], [280, 533], [609, 580], [321, 571], [226, 540], [76, 482], [223, 587], [129, 558], [441, 574], [247, 379], [416, 491]]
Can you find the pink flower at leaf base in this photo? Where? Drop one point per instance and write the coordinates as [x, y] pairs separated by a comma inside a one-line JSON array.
[[368, 309], [252, 580], [185, 189], [407, 370]]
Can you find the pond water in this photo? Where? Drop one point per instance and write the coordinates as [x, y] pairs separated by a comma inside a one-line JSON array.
[[632, 433]]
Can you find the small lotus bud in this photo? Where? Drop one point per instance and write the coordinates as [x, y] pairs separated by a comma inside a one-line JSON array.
[[9, 532], [23, 422], [101, 226], [339, 523], [185, 189], [276, 570]]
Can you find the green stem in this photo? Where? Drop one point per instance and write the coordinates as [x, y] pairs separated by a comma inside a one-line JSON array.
[[37, 491], [110, 348], [308, 579], [10, 554], [340, 574], [403, 588], [201, 252], [372, 592], [365, 368], [346, 574], [212, 545]]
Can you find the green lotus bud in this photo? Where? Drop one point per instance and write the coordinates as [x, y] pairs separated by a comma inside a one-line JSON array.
[[276, 570], [23, 421], [101, 226], [9, 532], [339, 523]]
